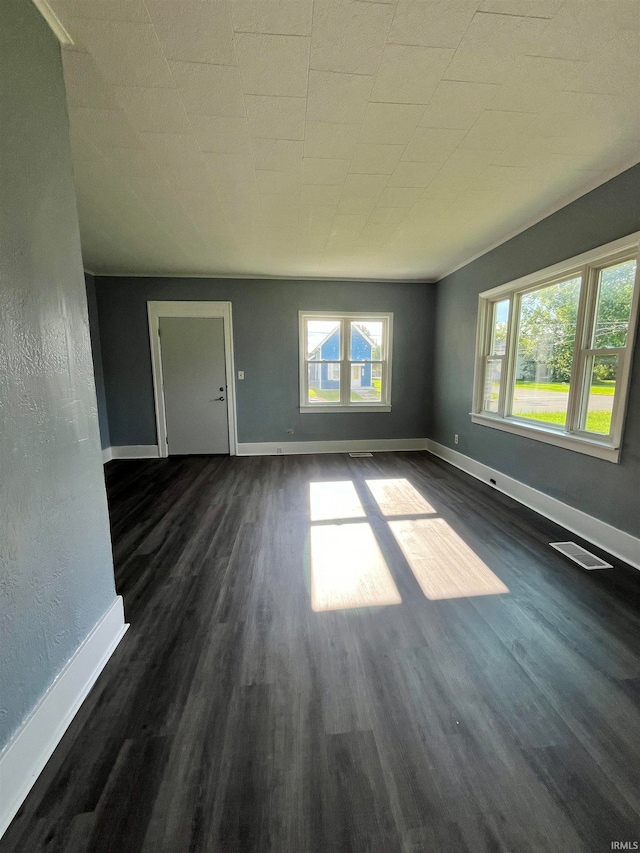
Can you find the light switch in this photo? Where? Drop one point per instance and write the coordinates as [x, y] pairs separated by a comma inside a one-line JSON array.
[[241, 374]]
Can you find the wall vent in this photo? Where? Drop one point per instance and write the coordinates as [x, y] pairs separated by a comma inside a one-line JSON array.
[[580, 555], [358, 453]]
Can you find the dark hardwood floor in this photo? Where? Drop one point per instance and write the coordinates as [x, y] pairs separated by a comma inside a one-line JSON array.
[[234, 717]]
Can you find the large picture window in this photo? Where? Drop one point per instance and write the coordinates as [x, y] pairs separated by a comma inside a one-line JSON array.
[[554, 351], [345, 362]]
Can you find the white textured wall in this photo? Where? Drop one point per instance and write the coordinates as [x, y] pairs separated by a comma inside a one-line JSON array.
[[56, 575]]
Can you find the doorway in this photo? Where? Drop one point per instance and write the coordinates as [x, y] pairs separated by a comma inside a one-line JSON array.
[[192, 361]]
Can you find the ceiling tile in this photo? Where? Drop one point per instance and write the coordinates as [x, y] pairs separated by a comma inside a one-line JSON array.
[[275, 117], [340, 98], [286, 17], [389, 216], [433, 24], [101, 10], [491, 45], [221, 134], [433, 144], [133, 164], [320, 194], [84, 83], [194, 30], [409, 74], [172, 148], [413, 174], [278, 183], [390, 124], [357, 204], [347, 226], [495, 129], [82, 149], [312, 216], [527, 8], [369, 158], [127, 54], [376, 233], [283, 155], [400, 196], [364, 186], [273, 64], [230, 167], [457, 104], [209, 89], [104, 128], [324, 171], [349, 36], [153, 109], [546, 95], [330, 139]]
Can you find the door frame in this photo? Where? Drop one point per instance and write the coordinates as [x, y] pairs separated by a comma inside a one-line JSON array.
[[214, 310]]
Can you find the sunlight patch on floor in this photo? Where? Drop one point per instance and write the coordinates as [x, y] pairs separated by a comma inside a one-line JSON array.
[[336, 500], [443, 564], [348, 569], [398, 497]]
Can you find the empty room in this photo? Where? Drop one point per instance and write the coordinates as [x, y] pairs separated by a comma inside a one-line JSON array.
[[319, 426]]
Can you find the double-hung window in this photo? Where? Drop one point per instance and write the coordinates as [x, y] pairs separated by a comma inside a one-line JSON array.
[[554, 351], [345, 362]]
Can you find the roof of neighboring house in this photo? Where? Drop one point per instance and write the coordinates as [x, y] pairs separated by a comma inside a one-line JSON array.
[[359, 330]]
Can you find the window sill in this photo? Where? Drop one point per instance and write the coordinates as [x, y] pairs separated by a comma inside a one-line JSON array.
[[341, 410], [590, 447]]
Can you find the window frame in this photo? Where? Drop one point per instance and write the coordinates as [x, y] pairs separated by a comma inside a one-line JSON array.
[[573, 436], [345, 404]]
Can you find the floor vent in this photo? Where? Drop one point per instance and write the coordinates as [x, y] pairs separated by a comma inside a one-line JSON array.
[[358, 453], [580, 555]]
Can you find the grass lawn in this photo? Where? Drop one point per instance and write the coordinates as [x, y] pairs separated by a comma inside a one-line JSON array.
[[603, 390], [326, 395], [596, 421]]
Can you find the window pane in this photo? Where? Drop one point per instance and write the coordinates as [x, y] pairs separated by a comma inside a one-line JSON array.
[[546, 338], [499, 327], [323, 340], [602, 371], [615, 292], [493, 372], [366, 383], [366, 340], [324, 382]]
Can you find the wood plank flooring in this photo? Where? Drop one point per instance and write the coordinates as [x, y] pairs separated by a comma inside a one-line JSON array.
[[497, 710]]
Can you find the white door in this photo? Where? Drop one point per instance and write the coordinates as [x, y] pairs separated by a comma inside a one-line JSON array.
[[194, 384]]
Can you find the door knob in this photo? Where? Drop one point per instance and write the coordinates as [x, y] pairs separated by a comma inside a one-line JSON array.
[[218, 399]]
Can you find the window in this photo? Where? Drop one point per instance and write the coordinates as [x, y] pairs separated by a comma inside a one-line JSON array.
[[345, 362], [554, 351]]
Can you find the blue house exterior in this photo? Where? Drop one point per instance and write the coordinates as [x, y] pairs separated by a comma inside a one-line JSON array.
[[326, 376]]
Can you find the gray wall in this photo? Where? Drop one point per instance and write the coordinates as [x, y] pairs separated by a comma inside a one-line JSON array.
[[265, 325], [603, 489], [56, 577], [96, 353]]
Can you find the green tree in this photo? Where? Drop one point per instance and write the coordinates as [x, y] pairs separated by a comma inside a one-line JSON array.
[[548, 319]]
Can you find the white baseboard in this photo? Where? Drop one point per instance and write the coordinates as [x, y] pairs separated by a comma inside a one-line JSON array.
[[130, 451], [610, 539], [24, 757], [285, 448]]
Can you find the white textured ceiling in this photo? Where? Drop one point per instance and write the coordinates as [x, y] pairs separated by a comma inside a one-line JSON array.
[[391, 139]]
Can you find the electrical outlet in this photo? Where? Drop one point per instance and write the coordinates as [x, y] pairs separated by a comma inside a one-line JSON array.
[[289, 431], [455, 438], [241, 374]]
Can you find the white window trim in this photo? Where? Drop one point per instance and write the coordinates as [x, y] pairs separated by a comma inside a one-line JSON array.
[[586, 265], [344, 405]]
